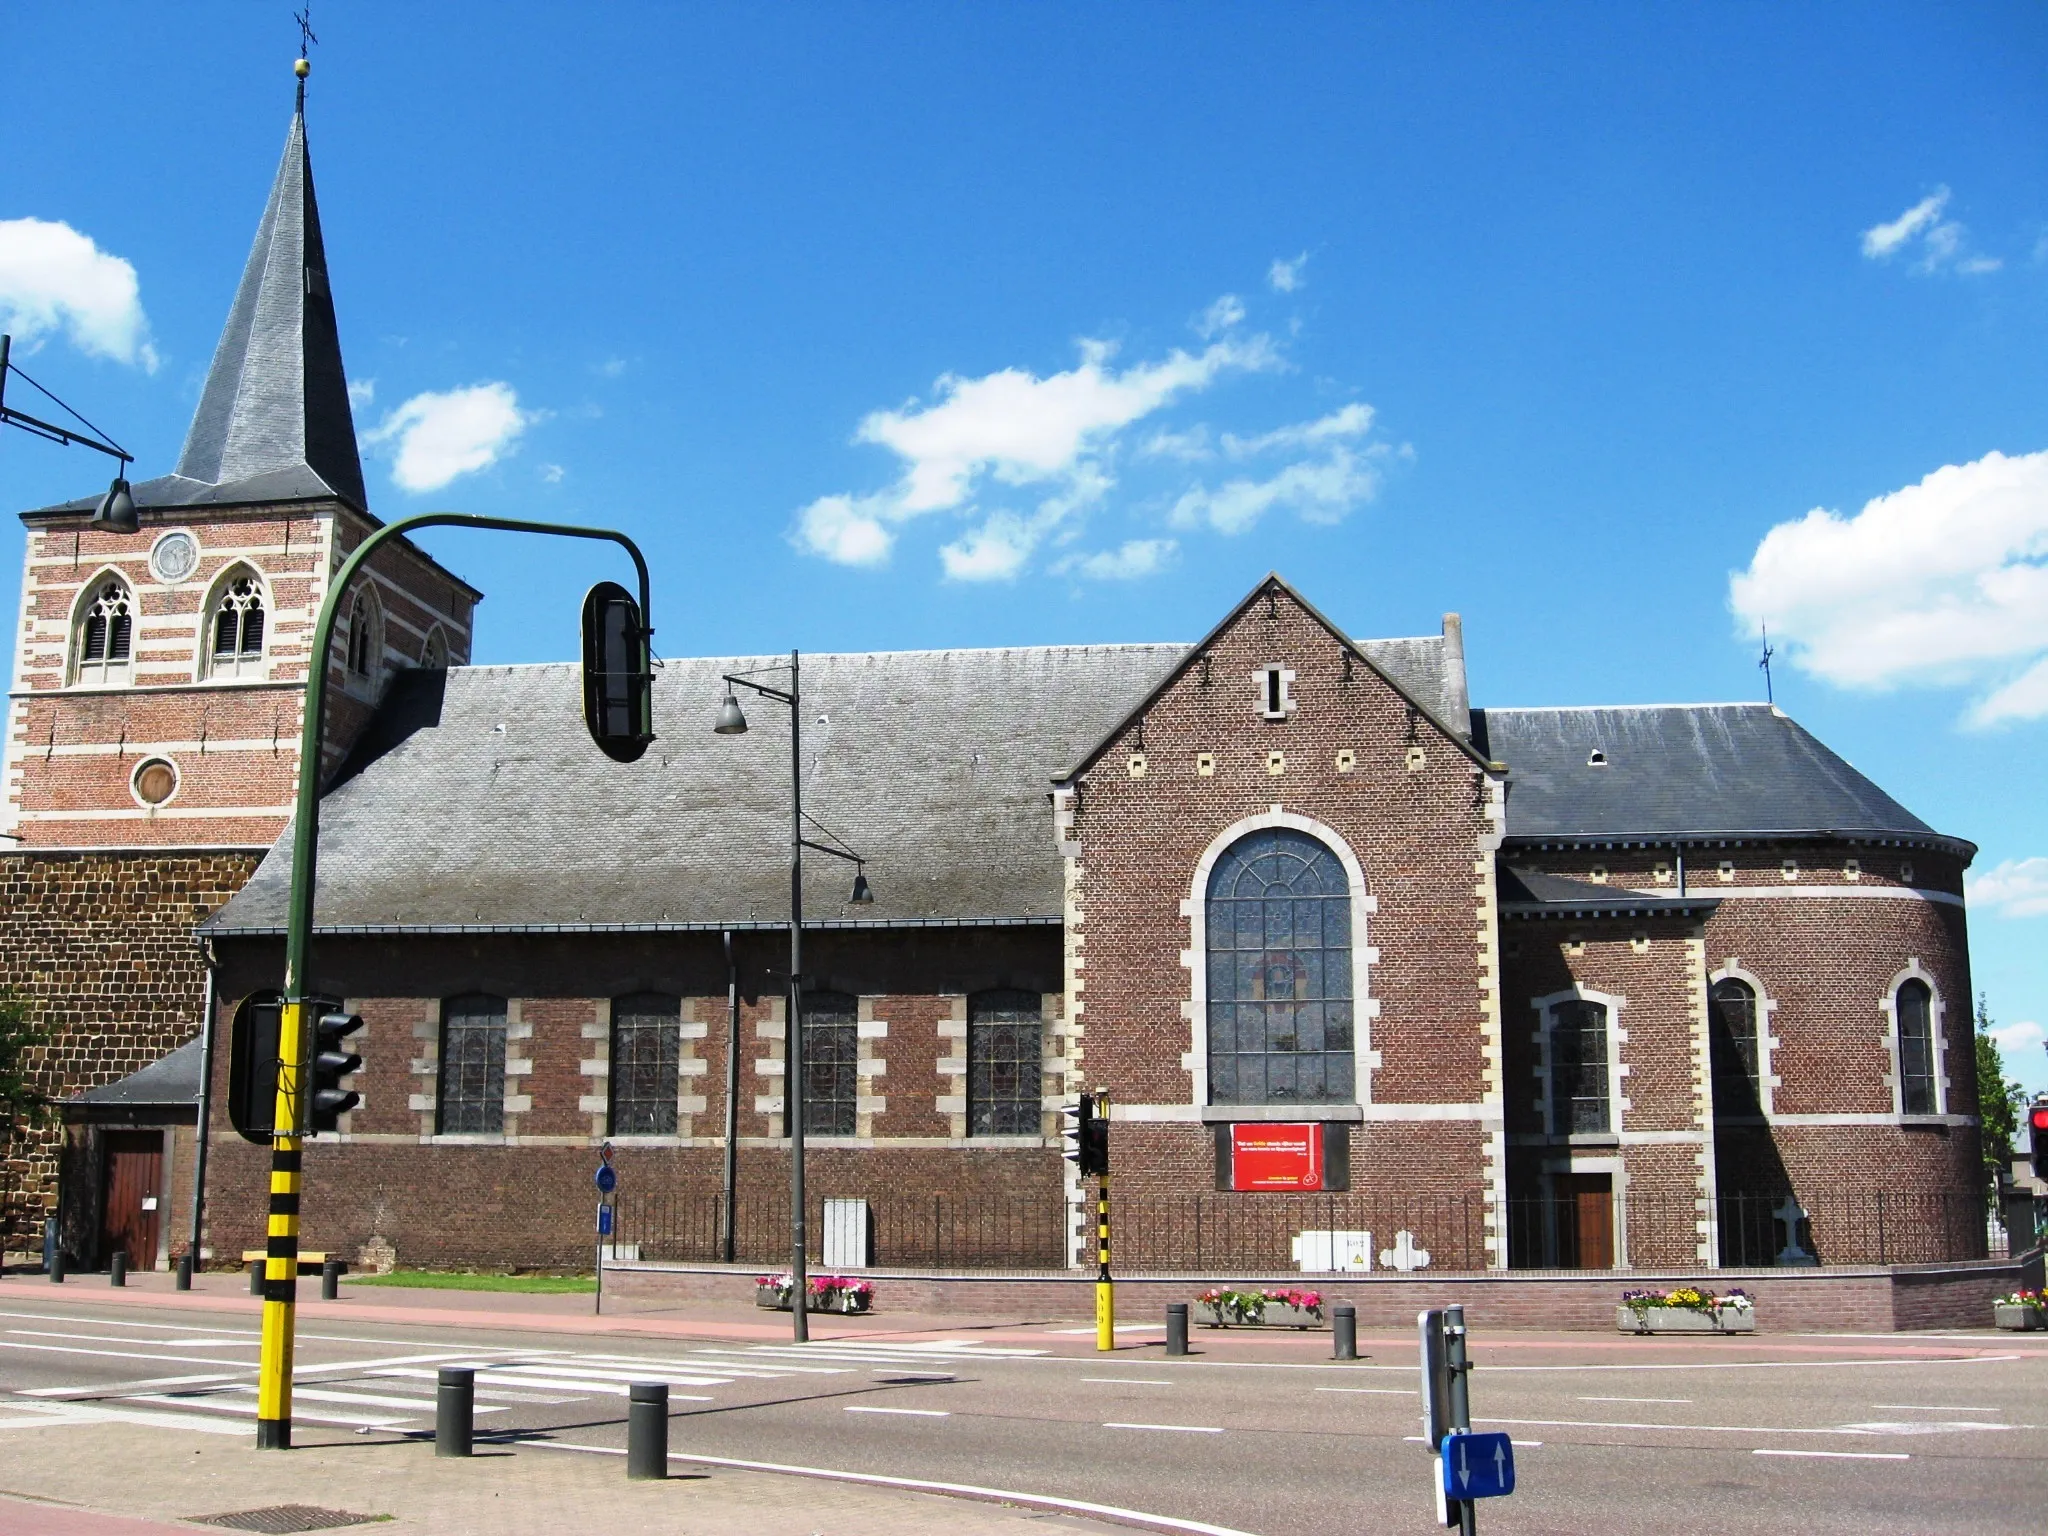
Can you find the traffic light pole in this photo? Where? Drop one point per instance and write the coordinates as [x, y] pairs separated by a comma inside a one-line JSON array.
[[281, 1250], [1105, 1287]]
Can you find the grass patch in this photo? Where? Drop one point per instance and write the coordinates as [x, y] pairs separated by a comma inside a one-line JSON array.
[[443, 1280]]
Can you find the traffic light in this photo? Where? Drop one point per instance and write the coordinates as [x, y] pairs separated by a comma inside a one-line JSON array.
[[618, 673], [1089, 1136], [332, 1061], [252, 1068], [2037, 1125]]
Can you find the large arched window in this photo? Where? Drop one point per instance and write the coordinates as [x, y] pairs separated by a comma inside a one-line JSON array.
[[1005, 1067], [105, 641], [1913, 1007], [831, 1049], [1581, 1097], [646, 1047], [1279, 942], [1734, 1047], [236, 627]]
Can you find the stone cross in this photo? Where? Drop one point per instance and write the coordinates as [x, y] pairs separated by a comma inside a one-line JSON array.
[[1791, 1213], [1404, 1255]]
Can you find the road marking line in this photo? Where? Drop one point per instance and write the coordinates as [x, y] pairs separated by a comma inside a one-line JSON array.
[[496, 1394], [111, 1322], [1183, 1429], [249, 1410], [1713, 1429], [415, 1405], [922, 1485], [1842, 1455], [206, 1343], [617, 1373], [1131, 1381], [920, 1413], [1642, 1400], [1735, 1365], [115, 1338], [1938, 1407], [68, 1415], [1370, 1391], [118, 1354], [116, 1388]]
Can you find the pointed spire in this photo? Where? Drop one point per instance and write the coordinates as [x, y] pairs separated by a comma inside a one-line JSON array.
[[276, 398]]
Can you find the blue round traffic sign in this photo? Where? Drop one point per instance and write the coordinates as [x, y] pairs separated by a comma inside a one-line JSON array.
[[607, 1178]]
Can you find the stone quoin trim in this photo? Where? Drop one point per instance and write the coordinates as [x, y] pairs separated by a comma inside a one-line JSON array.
[[1706, 1198], [1493, 1046], [1733, 969], [1617, 1071], [1937, 1019], [1195, 958]]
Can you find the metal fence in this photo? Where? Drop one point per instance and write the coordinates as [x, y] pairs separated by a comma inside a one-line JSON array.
[[1221, 1233]]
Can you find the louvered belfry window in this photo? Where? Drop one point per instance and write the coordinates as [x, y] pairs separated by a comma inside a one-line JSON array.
[[238, 624], [646, 1048], [1915, 1009], [1005, 1069], [1279, 957], [831, 1050], [106, 637], [472, 1097]]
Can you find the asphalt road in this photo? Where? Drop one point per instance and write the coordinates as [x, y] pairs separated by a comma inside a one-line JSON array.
[[1917, 1433]]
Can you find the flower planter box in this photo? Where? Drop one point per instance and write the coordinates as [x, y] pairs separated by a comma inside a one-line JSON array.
[[832, 1301], [1684, 1320], [1277, 1314], [2019, 1319]]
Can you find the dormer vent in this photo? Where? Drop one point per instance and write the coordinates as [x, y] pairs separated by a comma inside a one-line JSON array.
[[1596, 759]]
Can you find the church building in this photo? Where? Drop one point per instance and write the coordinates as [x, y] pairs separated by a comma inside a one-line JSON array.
[[1372, 978]]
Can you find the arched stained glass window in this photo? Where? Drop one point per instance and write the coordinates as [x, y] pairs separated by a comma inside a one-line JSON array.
[[1732, 1042], [1914, 1008], [1580, 1102], [106, 634], [238, 626], [831, 1049], [646, 1051], [1005, 1070], [1280, 986]]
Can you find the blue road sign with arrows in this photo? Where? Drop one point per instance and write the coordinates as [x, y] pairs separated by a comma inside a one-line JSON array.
[[1478, 1466], [604, 1220]]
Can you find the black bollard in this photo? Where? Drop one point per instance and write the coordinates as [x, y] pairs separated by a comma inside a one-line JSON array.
[[256, 1267], [647, 1430], [455, 1411], [1176, 1327], [57, 1267], [1344, 1320], [117, 1267], [184, 1271], [330, 1280]]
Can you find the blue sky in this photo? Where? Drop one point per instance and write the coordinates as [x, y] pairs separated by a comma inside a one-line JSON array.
[[903, 326]]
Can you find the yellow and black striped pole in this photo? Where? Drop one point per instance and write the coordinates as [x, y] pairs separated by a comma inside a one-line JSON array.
[[281, 1250], [1105, 1288]]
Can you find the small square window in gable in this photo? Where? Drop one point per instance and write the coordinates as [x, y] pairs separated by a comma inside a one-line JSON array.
[[1661, 873], [1791, 869], [1906, 872], [1852, 870], [1276, 763], [1639, 943], [1205, 765], [1597, 874], [1347, 760], [1276, 691], [1727, 871], [1136, 764], [1416, 759]]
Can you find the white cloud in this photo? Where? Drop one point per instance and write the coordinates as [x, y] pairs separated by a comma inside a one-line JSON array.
[[1191, 445], [610, 368], [552, 473], [455, 432], [55, 280], [1321, 490], [1353, 420], [1945, 581], [1921, 229], [2015, 888], [1219, 317], [1285, 276], [1129, 561], [1013, 429], [361, 392]]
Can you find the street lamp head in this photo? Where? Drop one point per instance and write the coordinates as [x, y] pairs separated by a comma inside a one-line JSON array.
[[731, 721], [862, 896], [116, 511]]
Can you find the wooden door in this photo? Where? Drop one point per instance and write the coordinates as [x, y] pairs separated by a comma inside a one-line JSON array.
[[129, 1199], [1582, 1217]]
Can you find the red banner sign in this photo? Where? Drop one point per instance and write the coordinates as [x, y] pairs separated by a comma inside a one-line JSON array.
[[1276, 1156]]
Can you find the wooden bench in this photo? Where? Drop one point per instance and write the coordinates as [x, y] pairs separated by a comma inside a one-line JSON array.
[[309, 1262]]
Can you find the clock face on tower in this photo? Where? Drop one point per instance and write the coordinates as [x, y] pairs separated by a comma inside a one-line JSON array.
[[175, 556]]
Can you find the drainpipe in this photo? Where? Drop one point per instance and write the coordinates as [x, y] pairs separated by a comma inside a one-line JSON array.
[[1681, 871], [729, 1195], [204, 1127]]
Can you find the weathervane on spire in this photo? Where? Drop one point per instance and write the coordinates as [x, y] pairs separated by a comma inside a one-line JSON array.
[[1766, 663], [304, 65]]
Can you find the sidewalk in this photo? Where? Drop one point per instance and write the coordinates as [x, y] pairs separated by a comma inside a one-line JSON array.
[[111, 1479]]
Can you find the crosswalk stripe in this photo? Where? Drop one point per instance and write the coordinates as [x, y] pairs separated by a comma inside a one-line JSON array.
[[495, 1394], [248, 1410], [417, 1406]]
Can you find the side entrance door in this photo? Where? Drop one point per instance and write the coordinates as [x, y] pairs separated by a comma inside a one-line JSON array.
[[1585, 1220], [128, 1202]]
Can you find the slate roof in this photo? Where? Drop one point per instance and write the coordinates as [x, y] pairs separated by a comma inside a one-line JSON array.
[[171, 1082], [481, 803], [273, 422], [1719, 770]]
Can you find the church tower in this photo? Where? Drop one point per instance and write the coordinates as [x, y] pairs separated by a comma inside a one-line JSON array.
[[154, 719]]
